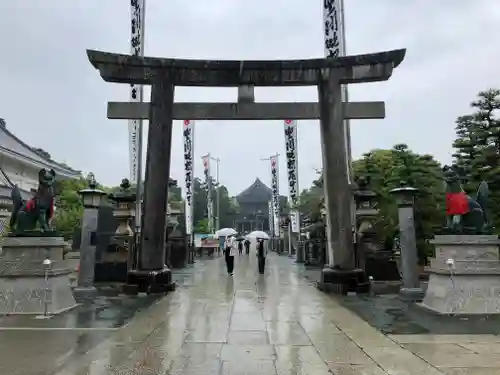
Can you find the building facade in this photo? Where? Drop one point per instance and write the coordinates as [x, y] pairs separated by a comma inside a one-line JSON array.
[[253, 212], [20, 164]]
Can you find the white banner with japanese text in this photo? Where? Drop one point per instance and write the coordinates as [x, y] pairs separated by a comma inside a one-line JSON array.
[[271, 217], [136, 49], [188, 137], [275, 194], [208, 190], [292, 172], [333, 19]]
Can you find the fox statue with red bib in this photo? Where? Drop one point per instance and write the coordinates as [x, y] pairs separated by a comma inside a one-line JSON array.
[[465, 215], [37, 210]]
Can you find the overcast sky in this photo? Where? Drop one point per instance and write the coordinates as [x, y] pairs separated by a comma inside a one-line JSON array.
[[52, 98]]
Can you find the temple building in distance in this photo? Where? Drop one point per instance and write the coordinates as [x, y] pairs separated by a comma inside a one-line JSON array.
[[253, 205]]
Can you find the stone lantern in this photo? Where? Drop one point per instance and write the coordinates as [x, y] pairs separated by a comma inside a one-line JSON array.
[[365, 237], [124, 211], [365, 199], [405, 199], [92, 198], [404, 195]]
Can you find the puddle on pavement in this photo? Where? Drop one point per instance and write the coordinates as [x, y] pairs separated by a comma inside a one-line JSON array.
[[104, 312], [393, 316]]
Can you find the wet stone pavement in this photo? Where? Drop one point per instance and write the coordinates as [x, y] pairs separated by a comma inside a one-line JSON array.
[[252, 324]]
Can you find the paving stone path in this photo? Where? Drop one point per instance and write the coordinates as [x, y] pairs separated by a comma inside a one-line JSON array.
[[272, 324]]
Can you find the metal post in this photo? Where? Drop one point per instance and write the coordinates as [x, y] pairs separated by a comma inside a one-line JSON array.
[[47, 265], [290, 255]]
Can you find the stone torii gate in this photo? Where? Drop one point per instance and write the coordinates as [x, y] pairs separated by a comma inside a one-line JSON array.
[[164, 74]]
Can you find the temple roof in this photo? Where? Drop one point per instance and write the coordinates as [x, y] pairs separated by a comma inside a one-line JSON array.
[[11, 145], [258, 192]]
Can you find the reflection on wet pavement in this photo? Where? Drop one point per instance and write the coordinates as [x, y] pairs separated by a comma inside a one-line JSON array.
[[254, 324], [391, 315]]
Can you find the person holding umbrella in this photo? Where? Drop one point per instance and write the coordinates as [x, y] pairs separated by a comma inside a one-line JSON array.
[[261, 255], [247, 246], [230, 252], [240, 246]]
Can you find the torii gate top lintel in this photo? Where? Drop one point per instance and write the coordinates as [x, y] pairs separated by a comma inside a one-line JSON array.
[[120, 68]]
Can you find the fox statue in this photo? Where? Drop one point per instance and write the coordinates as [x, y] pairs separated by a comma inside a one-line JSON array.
[[37, 210], [463, 213]]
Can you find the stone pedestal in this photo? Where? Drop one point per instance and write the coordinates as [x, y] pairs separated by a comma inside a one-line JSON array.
[[27, 285], [464, 276]]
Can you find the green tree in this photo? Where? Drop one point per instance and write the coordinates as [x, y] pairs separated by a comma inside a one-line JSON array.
[[385, 170], [310, 200], [227, 208], [199, 200], [478, 148], [69, 206], [202, 226], [466, 147]]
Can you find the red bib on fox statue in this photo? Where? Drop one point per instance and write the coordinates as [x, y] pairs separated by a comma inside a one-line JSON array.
[[31, 204], [457, 204]]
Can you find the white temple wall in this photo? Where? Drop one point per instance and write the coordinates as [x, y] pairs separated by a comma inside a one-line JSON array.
[[21, 174]]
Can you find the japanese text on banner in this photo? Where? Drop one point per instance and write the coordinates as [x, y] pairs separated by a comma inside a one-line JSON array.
[[333, 28], [292, 171], [275, 194], [271, 217], [136, 49], [208, 189], [335, 47], [188, 172]]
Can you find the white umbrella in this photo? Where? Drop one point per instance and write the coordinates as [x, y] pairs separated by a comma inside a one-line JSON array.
[[258, 234], [224, 232]]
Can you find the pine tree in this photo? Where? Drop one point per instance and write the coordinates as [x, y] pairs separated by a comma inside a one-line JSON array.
[[467, 149], [486, 164], [477, 147]]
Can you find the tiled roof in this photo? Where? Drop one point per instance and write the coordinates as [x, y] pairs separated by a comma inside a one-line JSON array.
[[10, 144], [256, 193]]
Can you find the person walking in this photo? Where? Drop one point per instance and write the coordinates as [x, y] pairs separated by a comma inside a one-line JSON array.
[[261, 255], [247, 246], [240, 247], [230, 252]]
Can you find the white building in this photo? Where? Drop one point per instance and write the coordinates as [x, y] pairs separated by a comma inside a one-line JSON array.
[[20, 164]]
